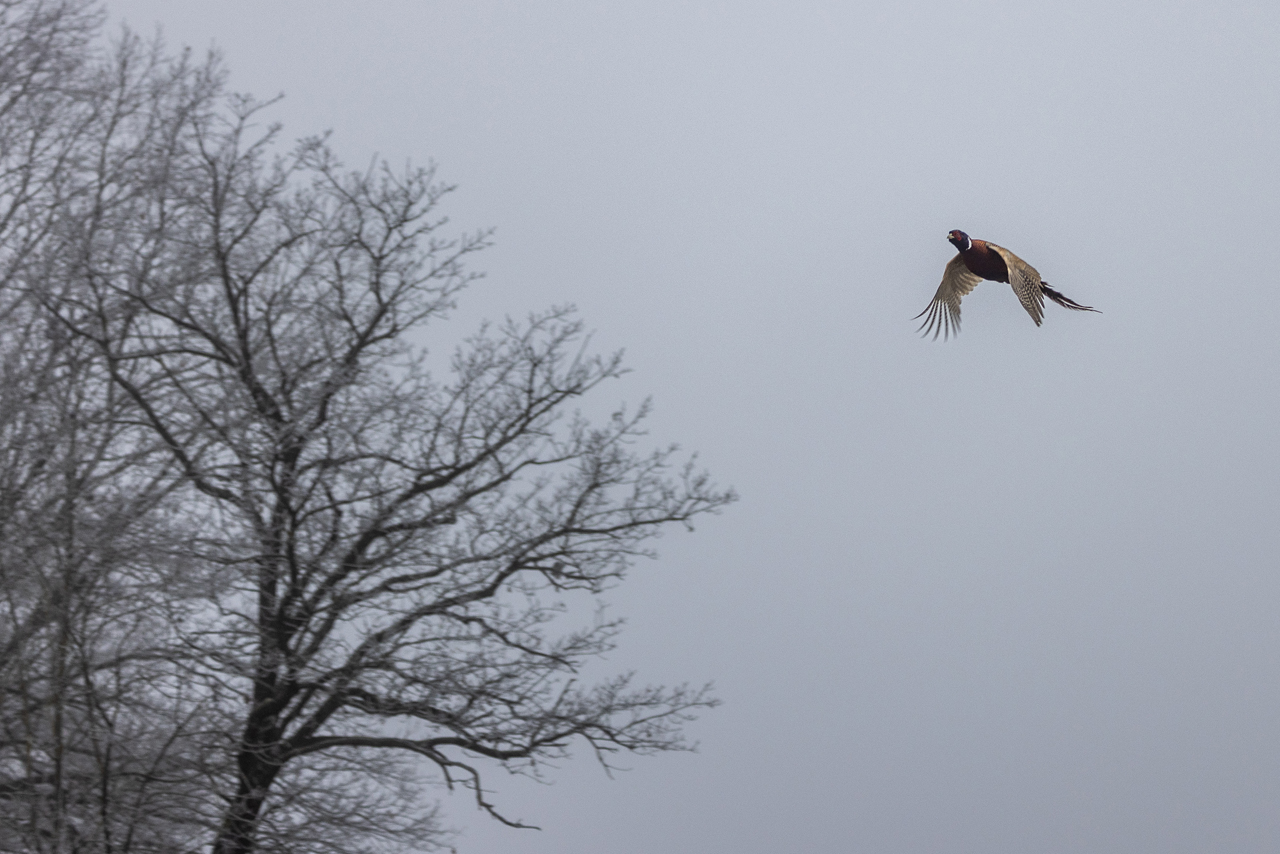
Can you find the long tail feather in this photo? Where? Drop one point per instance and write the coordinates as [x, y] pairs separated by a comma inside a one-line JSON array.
[[1064, 301]]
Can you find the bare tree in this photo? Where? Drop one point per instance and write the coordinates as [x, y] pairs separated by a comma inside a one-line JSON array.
[[377, 546], [92, 713]]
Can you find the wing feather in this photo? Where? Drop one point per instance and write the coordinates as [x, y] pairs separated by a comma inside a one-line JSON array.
[[1025, 281], [942, 316]]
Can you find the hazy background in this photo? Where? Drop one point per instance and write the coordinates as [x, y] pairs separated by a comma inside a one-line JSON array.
[[1017, 592]]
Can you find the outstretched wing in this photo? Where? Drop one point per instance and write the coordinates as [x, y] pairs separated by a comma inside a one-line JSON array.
[[942, 316], [1025, 281]]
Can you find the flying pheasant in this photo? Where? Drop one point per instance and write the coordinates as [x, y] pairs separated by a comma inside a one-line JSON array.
[[980, 260]]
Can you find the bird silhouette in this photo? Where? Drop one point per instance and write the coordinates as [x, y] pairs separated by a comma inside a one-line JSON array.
[[980, 260]]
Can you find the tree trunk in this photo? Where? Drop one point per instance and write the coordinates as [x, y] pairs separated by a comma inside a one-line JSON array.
[[236, 836]]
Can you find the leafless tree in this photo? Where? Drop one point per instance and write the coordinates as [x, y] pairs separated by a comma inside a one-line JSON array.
[[88, 714], [334, 562]]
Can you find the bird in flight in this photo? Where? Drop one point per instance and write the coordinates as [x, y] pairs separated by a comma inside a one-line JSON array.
[[980, 260]]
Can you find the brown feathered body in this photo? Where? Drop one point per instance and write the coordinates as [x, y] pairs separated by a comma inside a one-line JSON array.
[[978, 260], [985, 262]]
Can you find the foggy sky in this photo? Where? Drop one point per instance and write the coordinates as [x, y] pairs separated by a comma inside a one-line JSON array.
[[1014, 592]]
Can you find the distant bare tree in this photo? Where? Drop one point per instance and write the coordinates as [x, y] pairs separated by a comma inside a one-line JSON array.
[[84, 731], [94, 718], [307, 557]]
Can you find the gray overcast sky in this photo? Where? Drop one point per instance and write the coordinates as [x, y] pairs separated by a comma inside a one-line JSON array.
[[1015, 592]]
